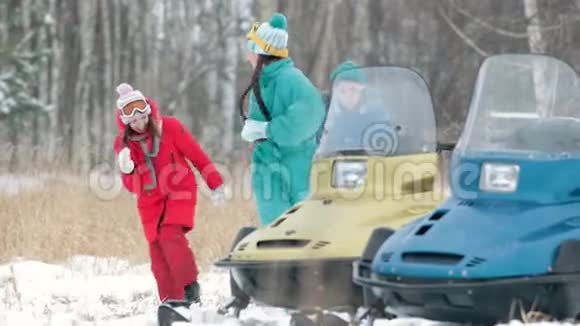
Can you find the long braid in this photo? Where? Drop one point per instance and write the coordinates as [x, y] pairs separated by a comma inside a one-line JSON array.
[[254, 81], [126, 135], [258, 94], [255, 86]]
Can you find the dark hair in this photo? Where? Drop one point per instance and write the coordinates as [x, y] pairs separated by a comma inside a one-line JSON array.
[[255, 85], [152, 129]]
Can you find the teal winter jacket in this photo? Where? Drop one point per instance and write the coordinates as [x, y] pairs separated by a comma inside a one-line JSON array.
[[297, 111]]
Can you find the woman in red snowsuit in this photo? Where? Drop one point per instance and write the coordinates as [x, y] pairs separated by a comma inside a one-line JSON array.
[[152, 153]]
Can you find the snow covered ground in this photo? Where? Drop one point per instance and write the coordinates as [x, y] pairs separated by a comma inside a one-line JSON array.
[[104, 292], [110, 292], [12, 185]]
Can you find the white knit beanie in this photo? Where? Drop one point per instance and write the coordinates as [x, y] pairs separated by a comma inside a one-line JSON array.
[[271, 37], [127, 95]]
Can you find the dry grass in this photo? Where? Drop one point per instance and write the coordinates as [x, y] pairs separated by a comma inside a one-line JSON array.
[[216, 228], [66, 219]]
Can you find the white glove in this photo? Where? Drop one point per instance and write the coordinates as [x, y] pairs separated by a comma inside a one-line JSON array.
[[254, 130], [218, 196], [126, 165]]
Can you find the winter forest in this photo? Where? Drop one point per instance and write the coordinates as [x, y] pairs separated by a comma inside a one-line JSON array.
[[60, 61]]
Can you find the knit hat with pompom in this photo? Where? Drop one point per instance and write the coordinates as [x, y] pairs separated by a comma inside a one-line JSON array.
[[127, 95], [271, 37]]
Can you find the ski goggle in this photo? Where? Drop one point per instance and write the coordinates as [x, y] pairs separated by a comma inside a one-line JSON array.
[[253, 30], [133, 108]]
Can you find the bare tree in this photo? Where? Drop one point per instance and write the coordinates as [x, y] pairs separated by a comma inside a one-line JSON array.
[[228, 85], [188, 55]]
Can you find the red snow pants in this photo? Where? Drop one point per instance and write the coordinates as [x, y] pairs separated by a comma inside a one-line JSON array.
[[172, 262]]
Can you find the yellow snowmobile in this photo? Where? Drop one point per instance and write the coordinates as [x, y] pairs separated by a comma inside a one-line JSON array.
[[376, 169]]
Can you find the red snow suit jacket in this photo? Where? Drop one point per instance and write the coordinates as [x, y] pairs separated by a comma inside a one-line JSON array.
[[164, 183]]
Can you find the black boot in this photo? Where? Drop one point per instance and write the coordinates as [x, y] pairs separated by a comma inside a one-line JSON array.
[[192, 293]]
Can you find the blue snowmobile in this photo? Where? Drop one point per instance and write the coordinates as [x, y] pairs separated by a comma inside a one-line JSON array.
[[506, 244]]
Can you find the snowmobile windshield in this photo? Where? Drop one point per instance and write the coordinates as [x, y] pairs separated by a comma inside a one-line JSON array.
[[378, 111], [524, 104]]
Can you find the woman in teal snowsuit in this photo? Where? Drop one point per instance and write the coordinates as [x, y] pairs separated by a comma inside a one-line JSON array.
[[285, 111]]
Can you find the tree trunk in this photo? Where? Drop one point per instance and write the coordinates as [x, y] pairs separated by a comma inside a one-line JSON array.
[[536, 40], [85, 146], [52, 81], [101, 83], [360, 42], [69, 73], [537, 44], [321, 62], [210, 133], [228, 85], [28, 10], [376, 14], [265, 9], [14, 125]]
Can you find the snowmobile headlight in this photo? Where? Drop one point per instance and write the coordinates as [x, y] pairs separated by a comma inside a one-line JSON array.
[[499, 177], [349, 174]]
